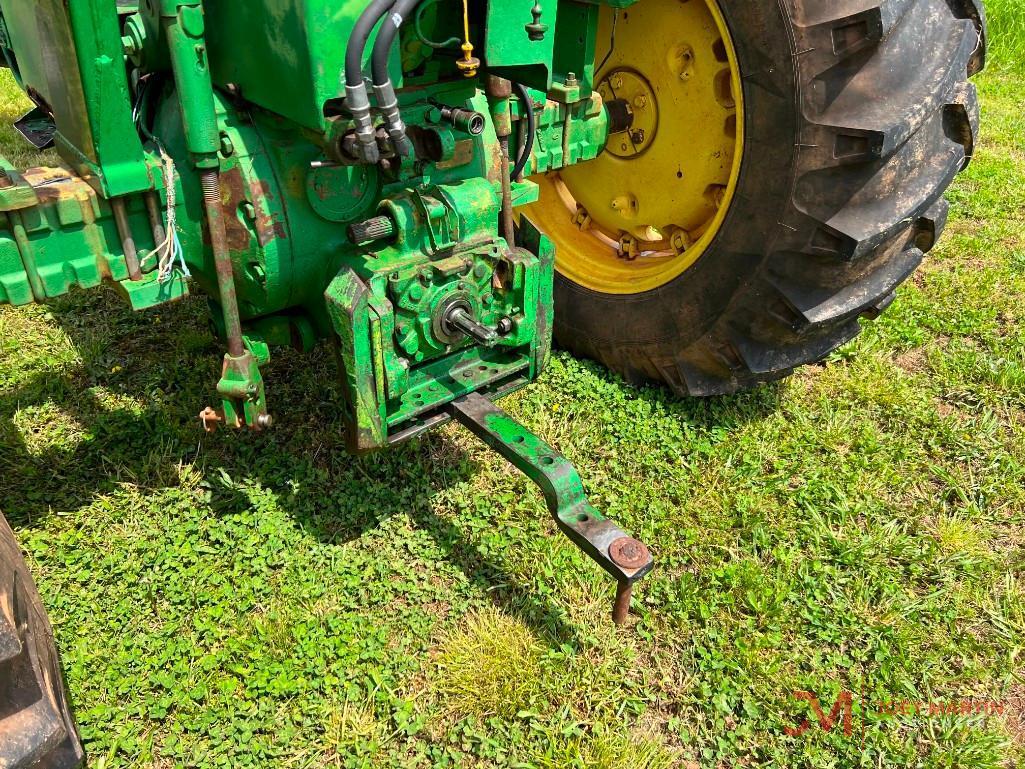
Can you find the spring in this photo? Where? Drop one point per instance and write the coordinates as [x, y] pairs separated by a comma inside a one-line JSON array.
[[211, 183]]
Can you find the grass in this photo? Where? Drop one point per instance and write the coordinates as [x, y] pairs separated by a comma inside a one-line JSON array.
[[1007, 31], [243, 601]]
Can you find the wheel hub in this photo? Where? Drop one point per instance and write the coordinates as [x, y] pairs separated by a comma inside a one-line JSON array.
[[647, 209], [633, 88]]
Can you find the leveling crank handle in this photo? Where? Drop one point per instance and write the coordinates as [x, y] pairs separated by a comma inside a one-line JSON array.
[[622, 556]]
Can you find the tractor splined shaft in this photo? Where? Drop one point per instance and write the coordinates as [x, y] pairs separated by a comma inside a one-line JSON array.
[[461, 320]]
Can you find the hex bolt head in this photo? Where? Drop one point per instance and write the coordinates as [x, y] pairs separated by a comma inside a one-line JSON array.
[[629, 553]]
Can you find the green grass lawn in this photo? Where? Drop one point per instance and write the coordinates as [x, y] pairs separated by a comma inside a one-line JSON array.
[[245, 600]]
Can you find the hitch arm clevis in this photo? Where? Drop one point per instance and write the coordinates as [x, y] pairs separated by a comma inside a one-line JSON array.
[[622, 556]]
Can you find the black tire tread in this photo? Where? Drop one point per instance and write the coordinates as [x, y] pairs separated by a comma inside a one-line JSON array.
[[36, 727], [879, 143]]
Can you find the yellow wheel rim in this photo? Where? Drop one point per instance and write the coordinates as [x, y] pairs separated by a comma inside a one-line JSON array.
[[648, 207]]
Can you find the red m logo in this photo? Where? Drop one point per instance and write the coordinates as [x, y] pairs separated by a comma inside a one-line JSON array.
[[844, 704]]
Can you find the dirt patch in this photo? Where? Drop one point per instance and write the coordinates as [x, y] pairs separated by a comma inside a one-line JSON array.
[[912, 361], [1014, 715]]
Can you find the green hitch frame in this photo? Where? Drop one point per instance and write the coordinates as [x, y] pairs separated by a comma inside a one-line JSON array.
[[625, 559]]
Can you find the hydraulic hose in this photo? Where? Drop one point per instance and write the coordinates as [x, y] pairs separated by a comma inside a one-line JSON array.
[[387, 102], [528, 145], [356, 98], [357, 45], [386, 38], [452, 42]]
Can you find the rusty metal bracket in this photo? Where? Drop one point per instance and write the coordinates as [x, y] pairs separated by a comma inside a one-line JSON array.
[[622, 556]]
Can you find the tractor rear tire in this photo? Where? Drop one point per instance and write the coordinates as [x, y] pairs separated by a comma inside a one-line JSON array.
[[36, 726], [857, 116]]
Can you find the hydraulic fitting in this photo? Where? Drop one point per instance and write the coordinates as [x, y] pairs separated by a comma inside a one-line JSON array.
[[464, 120], [388, 105], [356, 99], [358, 104]]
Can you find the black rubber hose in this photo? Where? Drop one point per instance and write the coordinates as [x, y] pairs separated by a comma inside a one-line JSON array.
[[386, 38], [528, 146], [357, 45]]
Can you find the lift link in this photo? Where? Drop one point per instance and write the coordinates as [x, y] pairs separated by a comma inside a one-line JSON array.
[[623, 557], [241, 387]]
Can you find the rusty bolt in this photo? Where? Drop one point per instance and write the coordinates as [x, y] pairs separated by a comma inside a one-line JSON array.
[[621, 607], [680, 241], [210, 419], [628, 553]]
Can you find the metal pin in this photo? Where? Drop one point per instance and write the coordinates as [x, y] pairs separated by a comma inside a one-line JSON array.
[[156, 220], [124, 230], [621, 608]]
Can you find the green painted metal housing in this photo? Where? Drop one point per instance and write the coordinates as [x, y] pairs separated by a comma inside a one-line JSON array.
[[207, 147], [182, 87], [68, 57]]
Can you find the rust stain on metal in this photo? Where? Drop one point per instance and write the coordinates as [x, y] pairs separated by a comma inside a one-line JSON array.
[[210, 419], [267, 227], [236, 195], [628, 553], [233, 196], [621, 608], [52, 185], [93, 237]]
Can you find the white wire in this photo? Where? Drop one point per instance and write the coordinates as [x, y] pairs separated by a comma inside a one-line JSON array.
[[170, 251]]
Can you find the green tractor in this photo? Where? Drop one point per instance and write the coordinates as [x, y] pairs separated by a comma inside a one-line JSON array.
[[705, 194]]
